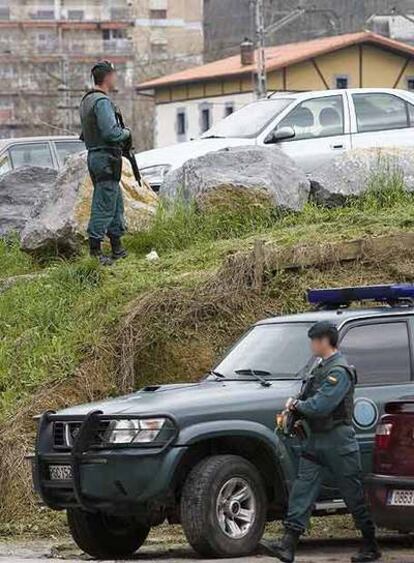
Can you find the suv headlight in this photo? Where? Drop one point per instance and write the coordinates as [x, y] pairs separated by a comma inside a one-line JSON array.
[[156, 174], [134, 431]]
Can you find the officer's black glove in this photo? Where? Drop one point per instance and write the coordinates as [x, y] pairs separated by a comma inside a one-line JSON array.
[[291, 404]]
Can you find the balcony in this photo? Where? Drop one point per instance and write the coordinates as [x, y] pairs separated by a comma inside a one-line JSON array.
[[98, 46], [118, 47]]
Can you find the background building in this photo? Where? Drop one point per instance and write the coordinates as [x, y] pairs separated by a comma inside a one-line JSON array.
[[227, 22], [189, 102], [47, 48]]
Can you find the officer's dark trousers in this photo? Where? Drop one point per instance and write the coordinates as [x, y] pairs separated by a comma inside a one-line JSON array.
[[107, 212], [335, 452]]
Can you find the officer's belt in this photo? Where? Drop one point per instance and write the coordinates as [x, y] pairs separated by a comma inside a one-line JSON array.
[[310, 457], [117, 151]]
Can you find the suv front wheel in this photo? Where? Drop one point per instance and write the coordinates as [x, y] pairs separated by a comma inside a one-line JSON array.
[[104, 536], [223, 507]]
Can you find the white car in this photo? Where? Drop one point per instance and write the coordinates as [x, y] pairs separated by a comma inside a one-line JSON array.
[[310, 127], [46, 152]]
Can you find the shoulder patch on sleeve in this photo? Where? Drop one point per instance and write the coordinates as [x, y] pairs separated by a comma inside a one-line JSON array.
[[332, 379]]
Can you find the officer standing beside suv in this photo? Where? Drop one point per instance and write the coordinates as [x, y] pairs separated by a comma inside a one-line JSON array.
[[105, 140], [327, 408]]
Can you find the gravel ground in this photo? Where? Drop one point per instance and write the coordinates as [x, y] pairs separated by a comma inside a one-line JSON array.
[[395, 549]]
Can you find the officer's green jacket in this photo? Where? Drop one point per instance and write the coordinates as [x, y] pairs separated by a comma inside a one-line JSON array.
[[334, 387]]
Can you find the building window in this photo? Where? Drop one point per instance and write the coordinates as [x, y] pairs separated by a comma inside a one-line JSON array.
[[410, 83], [205, 118], [181, 125], [113, 34], [341, 82], [4, 13], [77, 15], [228, 109], [158, 14], [43, 15]]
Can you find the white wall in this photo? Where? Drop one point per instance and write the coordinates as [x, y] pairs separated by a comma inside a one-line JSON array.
[[166, 116]]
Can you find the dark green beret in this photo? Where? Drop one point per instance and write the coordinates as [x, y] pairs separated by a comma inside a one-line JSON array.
[[105, 66], [321, 329]]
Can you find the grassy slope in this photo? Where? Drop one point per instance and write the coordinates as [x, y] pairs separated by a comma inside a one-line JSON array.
[[48, 324]]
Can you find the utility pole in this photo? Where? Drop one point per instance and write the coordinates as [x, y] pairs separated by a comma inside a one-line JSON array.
[[262, 31], [261, 78]]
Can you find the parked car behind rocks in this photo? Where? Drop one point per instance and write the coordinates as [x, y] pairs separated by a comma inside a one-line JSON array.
[[311, 127], [44, 152]]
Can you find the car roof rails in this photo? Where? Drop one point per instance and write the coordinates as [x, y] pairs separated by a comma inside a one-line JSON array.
[[337, 298]]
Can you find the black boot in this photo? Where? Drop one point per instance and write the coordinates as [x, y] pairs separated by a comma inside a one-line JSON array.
[[285, 548], [118, 251], [369, 550], [95, 250]]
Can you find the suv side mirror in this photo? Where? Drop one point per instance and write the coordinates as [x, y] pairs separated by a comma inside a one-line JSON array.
[[280, 135]]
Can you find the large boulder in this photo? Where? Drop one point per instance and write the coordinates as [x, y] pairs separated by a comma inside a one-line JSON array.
[[22, 194], [62, 222], [253, 174], [351, 173]]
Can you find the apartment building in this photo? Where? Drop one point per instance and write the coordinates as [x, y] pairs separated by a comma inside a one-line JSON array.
[[47, 48]]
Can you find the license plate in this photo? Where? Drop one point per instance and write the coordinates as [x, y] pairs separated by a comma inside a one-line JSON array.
[[60, 472], [400, 497]]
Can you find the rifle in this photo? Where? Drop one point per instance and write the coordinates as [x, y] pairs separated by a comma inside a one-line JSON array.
[[128, 152], [291, 423]]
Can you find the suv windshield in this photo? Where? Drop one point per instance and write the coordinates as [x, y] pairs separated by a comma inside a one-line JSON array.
[[282, 350], [250, 120]]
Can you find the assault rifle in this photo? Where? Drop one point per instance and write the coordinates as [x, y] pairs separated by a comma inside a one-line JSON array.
[[291, 423], [128, 151]]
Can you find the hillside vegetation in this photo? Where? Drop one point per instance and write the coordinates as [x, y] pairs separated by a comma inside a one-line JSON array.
[[71, 331]]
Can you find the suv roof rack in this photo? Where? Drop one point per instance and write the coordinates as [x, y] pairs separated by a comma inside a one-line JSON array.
[[335, 298]]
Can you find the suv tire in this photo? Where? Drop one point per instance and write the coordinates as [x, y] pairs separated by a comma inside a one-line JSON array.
[[224, 507], [105, 537]]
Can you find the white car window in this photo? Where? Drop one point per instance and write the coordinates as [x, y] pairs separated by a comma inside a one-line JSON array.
[[5, 164], [317, 117], [379, 112], [65, 149], [250, 120], [31, 154]]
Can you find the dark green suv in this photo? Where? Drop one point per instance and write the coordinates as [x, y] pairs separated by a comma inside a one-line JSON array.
[[206, 454]]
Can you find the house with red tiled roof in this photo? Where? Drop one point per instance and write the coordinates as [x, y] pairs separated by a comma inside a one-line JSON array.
[[191, 101]]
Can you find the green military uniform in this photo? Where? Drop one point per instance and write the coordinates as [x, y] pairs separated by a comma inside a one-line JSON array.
[[104, 138], [332, 446]]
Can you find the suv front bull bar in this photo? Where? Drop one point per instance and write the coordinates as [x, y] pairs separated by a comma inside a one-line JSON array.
[[84, 450]]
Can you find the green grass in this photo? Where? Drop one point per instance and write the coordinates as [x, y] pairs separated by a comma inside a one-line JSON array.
[[13, 262], [50, 323], [182, 226]]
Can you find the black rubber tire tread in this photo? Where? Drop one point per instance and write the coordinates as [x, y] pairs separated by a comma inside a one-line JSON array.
[[198, 515], [94, 537]]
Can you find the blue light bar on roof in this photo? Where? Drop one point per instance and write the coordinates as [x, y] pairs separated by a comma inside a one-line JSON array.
[[345, 295]]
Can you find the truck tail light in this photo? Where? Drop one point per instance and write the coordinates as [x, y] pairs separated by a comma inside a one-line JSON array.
[[383, 436], [394, 445]]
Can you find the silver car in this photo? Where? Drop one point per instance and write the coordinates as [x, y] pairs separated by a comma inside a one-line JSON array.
[[47, 152], [310, 127]]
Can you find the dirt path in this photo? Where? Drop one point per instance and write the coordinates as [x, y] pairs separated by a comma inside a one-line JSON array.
[[395, 549]]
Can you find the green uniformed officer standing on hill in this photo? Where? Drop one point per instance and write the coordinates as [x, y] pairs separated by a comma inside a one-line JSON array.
[[105, 139], [327, 408]]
